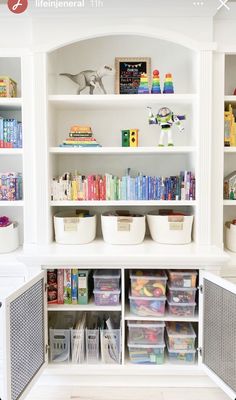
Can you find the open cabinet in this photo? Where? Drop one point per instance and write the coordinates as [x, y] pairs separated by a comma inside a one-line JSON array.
[[26, 341]]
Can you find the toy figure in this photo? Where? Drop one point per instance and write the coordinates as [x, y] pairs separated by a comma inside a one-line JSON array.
[[166, 119], [91, 79]]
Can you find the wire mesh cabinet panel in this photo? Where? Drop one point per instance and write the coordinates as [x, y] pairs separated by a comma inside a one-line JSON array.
[[219, 331], [25, 337]]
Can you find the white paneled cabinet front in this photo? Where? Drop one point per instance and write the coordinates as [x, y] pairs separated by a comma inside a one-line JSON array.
[[26, 341]]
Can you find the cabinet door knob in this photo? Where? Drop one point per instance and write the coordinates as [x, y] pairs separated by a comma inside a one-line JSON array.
[[0, 307]]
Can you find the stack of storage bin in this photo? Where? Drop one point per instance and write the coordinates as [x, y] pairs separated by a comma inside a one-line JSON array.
[[146, 342], [180, 342], [182, 293], [106, 287], [148, 288]]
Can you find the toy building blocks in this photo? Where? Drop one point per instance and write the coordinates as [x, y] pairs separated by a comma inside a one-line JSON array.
[[125, 138], [133, 137], [168, 84], [166, 119], [129, 138], [143, 85], [156, 87]]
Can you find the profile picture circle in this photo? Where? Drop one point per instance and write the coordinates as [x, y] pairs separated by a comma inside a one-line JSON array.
[[17, 6]]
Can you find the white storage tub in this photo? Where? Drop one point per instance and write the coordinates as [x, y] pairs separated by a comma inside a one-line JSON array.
[[127, 229], [230, 236], [70, 228], [9, 238], [170, 229]]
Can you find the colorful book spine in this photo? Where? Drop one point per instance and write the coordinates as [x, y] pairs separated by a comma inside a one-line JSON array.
[[113, 188], [67, 286], [60, 286], [83, 287], [74, 286]]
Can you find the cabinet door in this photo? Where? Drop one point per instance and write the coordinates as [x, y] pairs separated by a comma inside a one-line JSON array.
[[218, 330], [25, 341]]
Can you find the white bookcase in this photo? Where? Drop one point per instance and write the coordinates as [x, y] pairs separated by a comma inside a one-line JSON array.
[[55, 107]]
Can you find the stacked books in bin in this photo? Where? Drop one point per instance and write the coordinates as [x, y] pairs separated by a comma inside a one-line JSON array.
[[80, 136], [10, 133]]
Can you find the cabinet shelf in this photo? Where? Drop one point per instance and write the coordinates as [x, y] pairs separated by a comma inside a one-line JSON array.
[[86, 307], [15, 203], [230, 149], [132, 317], [126, 369], [10, 103], [118, 100], [116, 203], [11, 152], [124, 150], [147, 254], [230, 99], [229, 202]]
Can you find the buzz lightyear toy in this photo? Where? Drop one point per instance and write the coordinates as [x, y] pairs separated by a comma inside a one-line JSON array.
[[166, 119]]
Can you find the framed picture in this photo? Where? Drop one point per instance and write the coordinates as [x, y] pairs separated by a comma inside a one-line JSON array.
[[128, 72]]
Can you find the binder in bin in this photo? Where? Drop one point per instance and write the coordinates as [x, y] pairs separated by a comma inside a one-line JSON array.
[[59, 345], [92, 346], [111, 346], [77, 346]]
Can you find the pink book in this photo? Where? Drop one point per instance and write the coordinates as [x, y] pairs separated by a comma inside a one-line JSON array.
[[60, 286]]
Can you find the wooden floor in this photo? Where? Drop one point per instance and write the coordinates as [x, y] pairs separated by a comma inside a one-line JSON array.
[[118, 393]]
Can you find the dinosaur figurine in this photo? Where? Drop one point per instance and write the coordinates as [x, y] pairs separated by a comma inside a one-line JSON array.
[[90, 79]]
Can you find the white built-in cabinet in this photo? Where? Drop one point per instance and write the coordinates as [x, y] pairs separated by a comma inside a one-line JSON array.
[[49, 106]]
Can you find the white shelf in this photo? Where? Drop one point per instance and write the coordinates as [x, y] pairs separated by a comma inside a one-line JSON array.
[[16, 203], [229, 202], [124, 150], [78, 307], [127, 369], [132, 317], [117, 203], [231, 99], [11, 152], [10, 104], [147, 254], [118, 101]]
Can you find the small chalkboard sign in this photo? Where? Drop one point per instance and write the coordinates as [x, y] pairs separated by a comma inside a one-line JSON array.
[[128, 72]]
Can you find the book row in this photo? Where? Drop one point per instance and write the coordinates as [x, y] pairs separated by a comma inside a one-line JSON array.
[[11, 187], [10, 133], [73, 186]]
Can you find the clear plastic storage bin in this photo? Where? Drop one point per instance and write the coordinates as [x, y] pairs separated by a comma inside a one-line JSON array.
[[77, 346], [106, 280], [148, 283], [180, 336], [181, 295], [146, 332], [181, 356], [111, 346], [182, 279], [181, 309], [92, 346], [146, 354], [105, 298], [147, 306], [59, 345]]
